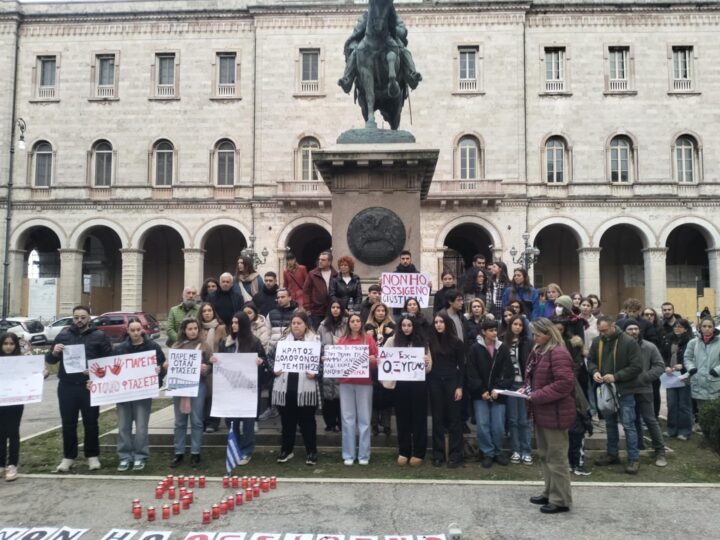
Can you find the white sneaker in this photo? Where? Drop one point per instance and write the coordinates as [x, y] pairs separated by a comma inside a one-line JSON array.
[[515, 457], [11, 473], [527, 460], [349, 462], [245, 460], [94, 464], [364, 462], [65, 465]]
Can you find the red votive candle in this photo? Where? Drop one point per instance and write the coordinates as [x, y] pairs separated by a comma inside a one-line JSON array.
[[226, 481], [248, 495], [165, 511], [273, 482], [176, 508], [231, 502], [235, 482], [171, 492], [215, 511], [245, 482], [223, 508], [159, 492], [151, 513], [238, 498], [206, 517], [181, 481], [191, 495], [137, 512], [186, 502], [201, 481], [256, 491], [191, 481]]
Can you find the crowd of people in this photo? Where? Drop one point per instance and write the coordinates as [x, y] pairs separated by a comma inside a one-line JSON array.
[[499, 353]]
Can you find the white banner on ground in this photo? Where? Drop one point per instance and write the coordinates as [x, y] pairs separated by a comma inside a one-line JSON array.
[[127, 377], [346, 362], [398, 287], [235, 386], [74, 358], [183, 375], [401, 364], [21, 379], [68, 533], [297, 356]]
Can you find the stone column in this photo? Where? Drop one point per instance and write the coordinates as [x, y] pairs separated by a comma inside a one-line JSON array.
[[132, 279], [194, 267], [655, 276], [589, 259], [15, 279], [70, 287], [714, 264]]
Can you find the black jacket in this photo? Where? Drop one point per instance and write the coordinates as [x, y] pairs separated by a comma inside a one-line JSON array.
[[226, 304], [97, 345], [344, 292], [448, 362], [439, 302], [486, 373], [266, 300], [126, 347]]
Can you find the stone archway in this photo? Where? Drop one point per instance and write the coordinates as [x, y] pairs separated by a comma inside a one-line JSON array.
[[622, 266], [307, 241], [101, 269], [222, 245], [163, 269], [558, 261], [463, 242]]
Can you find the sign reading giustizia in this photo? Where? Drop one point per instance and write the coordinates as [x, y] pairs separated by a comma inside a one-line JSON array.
[[397, 287]]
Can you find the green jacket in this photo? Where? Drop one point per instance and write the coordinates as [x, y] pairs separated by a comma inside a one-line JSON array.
[[175, 317], [701, 361], [620, 357]]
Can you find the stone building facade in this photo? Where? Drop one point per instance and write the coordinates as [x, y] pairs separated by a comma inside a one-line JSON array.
[[163, 136]]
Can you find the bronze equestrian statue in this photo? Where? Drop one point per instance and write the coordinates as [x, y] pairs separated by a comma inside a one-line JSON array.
[[380, 65]]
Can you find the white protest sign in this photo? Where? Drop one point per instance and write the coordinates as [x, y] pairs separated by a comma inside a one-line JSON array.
[[398, 287], [401, 364], [297, 356], [235, 386], [21, 379], [183, 375], [346, 362], [74, 358], [675, 380], [127, 377]]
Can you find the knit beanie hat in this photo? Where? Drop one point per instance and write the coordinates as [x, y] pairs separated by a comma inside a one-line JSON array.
[[564, 301], [631, 322]]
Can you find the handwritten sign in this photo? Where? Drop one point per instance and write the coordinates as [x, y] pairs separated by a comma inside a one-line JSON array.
[[401, 364], [675, 380], [398, 287], [346, 362], [235, 386], [183, 376], [126, 377], [297, 356], [74, 358], [21, 379]]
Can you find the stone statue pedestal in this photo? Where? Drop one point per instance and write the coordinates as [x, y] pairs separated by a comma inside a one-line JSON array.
[[376, 193]]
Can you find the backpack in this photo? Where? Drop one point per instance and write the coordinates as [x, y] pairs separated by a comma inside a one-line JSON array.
[[607, 401]]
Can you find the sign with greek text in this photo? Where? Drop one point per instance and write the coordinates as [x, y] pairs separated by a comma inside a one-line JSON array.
[[74, 358], [401, 364], [346, 362], [126, 377], [235, 386], [21, 379], [183, 376], [398, 287], [297, 356]]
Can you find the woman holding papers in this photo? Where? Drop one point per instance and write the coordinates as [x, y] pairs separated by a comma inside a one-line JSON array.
[[296, 395], [411, 397], [213, 333], [242, 340], [356, 398], [333, 327], [550, 387], [135, 449], [702, 360], [380, 327], [679, 400]]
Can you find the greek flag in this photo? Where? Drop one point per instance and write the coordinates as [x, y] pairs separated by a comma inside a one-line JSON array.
[[233, 456]]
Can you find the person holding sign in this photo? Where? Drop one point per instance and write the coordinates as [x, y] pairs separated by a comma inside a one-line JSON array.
[[445, 384], [411, 397], [189, 338], [135, 449], [296, 395], [356, 398], [333, 327], [73, 395], [380, 326]]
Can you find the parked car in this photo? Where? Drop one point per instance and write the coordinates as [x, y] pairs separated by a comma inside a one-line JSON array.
[[115, 324], [26, 328], [53, 329]]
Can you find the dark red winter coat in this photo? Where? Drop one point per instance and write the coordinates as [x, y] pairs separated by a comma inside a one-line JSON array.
[[315, 292], [552, 388]]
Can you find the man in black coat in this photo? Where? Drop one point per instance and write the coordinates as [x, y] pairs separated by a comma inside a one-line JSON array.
[[266, 298], [225, 301]]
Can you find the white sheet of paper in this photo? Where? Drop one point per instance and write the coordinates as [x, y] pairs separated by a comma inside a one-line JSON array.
[[399, 286], [21, 379], [297, 356], [673, 381], [511, 393], [235, 386], [401, 364], [346, 362], [126, 377], [183, 376], [74, 358]]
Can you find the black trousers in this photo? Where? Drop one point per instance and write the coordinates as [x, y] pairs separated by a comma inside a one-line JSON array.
[[411, 417], [331, 413], [292, 416], [10, 417], [74, 399], [445, 417], [576, 452], [656, 397]]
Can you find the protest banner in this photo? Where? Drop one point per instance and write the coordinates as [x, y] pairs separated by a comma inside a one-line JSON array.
[[346, 362], [126, 377], [398, 287], [235, 386], [297, 356], [21, 379], [74, 358], [401, 364], [183, 376]]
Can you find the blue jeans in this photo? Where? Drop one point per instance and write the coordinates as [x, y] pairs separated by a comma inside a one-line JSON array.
[[490, 419], [356, 410], [246, 439], [520, 430], [197, 408], [627, 413], [133, 447], [679, 414]]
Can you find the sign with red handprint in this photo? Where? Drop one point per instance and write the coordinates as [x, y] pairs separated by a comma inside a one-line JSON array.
[[121, 378]]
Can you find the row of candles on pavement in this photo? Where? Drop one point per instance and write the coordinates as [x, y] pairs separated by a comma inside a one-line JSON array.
[[252, 486]]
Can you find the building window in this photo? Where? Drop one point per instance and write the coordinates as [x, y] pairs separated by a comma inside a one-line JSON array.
[[166, 76], [469, 158], [105, 75], [227, 70], [555, 152], [686, 159], [42, 163], [164, 157], [618, 58], [622, 159], [47, 77], [555, 69], [102, 158], [467, 57], [225, 151], [309, 71], [307, 169], [682, 68]]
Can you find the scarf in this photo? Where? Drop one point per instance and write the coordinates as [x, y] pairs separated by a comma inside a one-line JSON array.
[[307, 390], [210, 327]]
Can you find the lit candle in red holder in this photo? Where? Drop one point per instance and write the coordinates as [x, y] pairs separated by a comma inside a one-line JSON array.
[[186, 502], [235, 482], [264, 486], [253, 480], [159, 491], [135, 502], [273, 482], [181, 481], [191, 495], [223, 508], [176, 508], [238, 498], [137, 512], [151, 513], [215, 511], [226, 481], [245, 482], [165, 511], [206, 517], [171, 492], [169, 479], [231, 502], [248, 494], [256, 491], [191, 481], [201, 481], [183, 492]]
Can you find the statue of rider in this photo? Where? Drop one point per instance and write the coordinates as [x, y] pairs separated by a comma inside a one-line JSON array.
[[398, 33]]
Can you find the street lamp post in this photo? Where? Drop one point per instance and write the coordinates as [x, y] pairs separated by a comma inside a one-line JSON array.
[[528, 256], [250, 252]]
